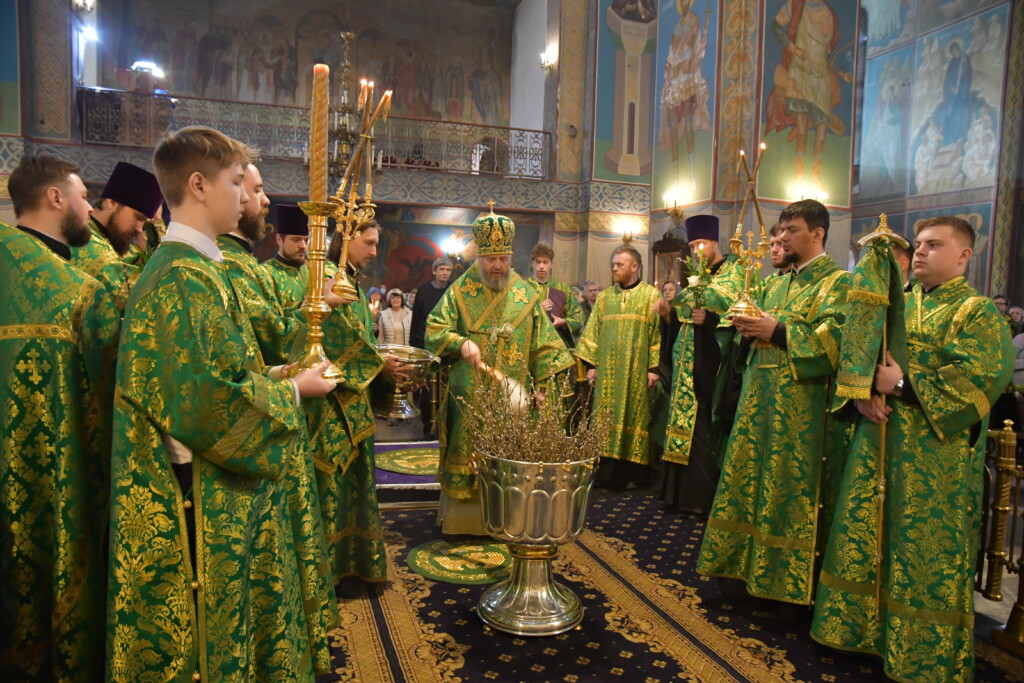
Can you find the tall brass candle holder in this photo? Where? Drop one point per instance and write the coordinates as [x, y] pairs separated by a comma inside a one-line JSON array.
[[750, 257], [351, 212], [319, 210]]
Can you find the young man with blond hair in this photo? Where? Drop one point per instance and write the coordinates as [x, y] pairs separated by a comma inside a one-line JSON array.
[[202, 572]]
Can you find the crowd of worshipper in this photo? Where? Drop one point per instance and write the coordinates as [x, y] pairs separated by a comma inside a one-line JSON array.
[[182, 500]]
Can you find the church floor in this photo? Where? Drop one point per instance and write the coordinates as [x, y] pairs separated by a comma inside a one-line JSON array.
[[649, 616]]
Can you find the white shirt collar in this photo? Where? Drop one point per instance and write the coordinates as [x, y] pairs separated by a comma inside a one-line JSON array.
[[799, 269], [179, 232]]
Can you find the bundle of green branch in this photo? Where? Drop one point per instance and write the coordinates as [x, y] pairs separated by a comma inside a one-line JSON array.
[[548, 430]]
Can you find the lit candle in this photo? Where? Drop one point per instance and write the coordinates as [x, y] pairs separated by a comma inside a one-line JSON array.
[[367, 124], [318, 134], [382, 107]]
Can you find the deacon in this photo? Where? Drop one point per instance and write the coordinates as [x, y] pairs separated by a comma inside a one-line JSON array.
[[764, 523], [199, 570], [286, 268], [934, 404], [60, 330], [701, 362], [558, 301], [427, 296], [276, 330], [129, 199], [620, 345], [489, 317], [341, 427]]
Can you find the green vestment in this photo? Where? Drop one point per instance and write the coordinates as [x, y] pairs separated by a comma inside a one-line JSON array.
[[276, 331], [764, 524], [341, 428], [958, 361], [623, 342], [189, 376], [573, 313], [289, 281], [515, 337], [723, 290], [98, 259], [58, 339]]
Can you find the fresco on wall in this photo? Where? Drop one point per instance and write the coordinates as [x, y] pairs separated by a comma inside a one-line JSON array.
[[451, 65], [980, 218], [957, 96], [412, 237], [624, 83], [10, 106], [887, 98], [685, 93], [935, 13], [890, 23], [809, 56]]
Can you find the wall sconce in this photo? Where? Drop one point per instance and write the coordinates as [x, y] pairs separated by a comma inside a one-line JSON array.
[[627, 238], [548, 59], [83, 6], [808, 191], [673, 196]]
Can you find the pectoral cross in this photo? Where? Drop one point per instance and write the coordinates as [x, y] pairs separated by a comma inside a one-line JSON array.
[[33, 366], [505, 332]]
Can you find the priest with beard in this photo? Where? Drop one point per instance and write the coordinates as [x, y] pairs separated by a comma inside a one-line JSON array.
[[489, 316], [276, 331], [287, 271], [57, 360], [130, 198]]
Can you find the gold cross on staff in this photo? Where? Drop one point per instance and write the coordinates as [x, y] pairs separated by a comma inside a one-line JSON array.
[[491, 204]]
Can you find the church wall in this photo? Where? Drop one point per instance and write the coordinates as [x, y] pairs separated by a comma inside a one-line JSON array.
[[933, 119], [451, 65]]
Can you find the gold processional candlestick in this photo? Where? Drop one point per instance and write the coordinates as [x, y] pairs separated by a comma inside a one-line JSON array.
[[750, 257], [319, 210], [351, 213]]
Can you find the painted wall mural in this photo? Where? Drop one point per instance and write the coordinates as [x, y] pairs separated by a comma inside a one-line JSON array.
[[888, 89], [685, 96], [10, 102], [623, 125], [889, 23], [935, 13], [957, 96], [807, 99], [452, 65]]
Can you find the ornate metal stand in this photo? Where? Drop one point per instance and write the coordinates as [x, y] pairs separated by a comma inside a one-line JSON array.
[[535, 507], [419, 364]]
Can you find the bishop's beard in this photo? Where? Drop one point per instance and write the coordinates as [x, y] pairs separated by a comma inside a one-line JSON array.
[[495, 284]]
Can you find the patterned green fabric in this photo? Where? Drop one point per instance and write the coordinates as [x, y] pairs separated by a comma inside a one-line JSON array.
[[570, 333], [875, 311], [289, 282], [764, 524], [960, 359], [276, 331], [722, 292], [188, 369], [622, 341], [515, 337], [341, 429], [275, 327], [58, 339], [98, 259]]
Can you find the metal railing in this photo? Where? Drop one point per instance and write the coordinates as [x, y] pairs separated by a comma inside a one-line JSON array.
[[118, 117], [1001, 550]]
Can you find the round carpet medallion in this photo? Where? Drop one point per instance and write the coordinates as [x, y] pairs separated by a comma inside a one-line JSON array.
[[418, 461], [467, 563]]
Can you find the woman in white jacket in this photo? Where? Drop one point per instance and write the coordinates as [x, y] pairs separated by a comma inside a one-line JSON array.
[[395, 320]]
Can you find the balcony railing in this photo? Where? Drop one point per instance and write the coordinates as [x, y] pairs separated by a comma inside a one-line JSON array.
[[118, 117]]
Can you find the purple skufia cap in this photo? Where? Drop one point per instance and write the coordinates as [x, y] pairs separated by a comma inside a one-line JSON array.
[[134, 187], [291, 220], [702, 227]]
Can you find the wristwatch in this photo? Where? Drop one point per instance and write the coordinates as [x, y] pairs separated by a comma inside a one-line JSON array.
[[897, 389]]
